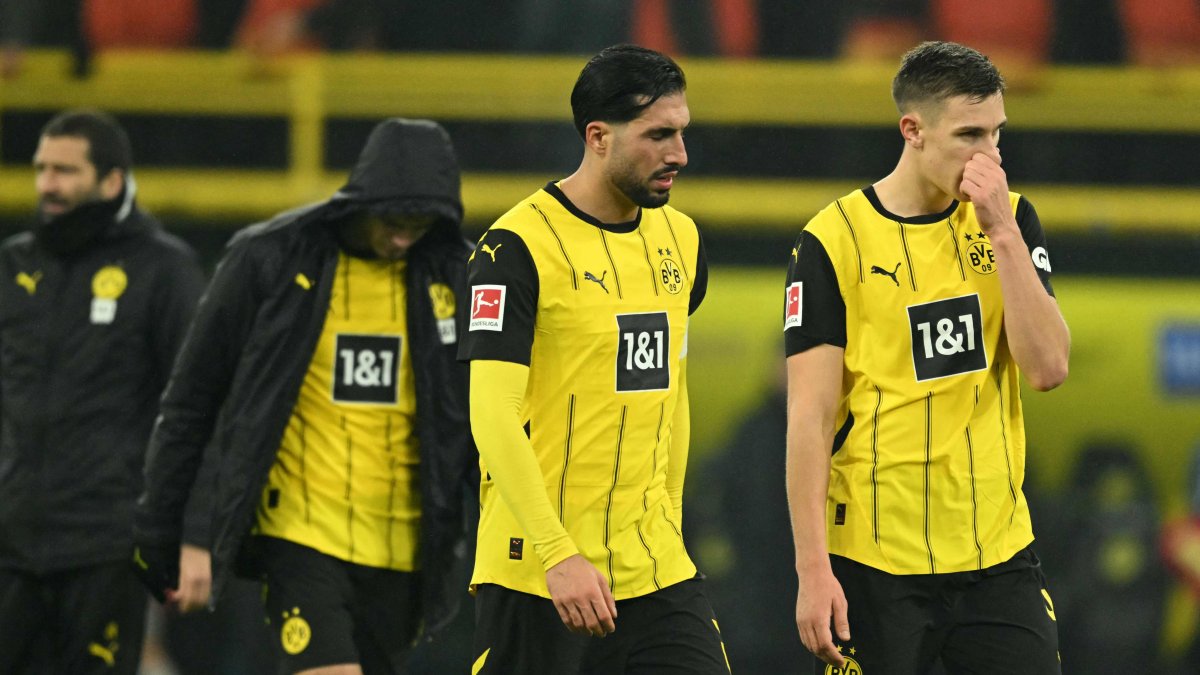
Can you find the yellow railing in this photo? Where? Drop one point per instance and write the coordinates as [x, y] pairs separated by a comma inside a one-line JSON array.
[[308, 90]]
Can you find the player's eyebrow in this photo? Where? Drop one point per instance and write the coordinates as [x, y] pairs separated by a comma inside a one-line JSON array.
[[666, 129], [979, 129]]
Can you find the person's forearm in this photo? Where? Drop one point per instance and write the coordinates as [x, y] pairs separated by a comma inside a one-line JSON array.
[[497, 389], [807, 475], [1036, 332], [814, 388]]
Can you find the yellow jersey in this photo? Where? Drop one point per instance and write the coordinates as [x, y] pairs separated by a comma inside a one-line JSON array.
[[929, 458], [599, 313], [345, 479]]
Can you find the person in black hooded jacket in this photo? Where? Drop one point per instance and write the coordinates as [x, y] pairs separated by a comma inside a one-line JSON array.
[[322, 361], [94, 302]]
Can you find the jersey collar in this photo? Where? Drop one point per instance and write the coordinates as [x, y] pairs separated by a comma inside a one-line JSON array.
[[619, 228], [924, 219]]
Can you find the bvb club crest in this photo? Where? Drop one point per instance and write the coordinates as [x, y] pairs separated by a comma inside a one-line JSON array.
[[295, 633], [851, 667], [109, 283], [443, 301], [443, 312], [980, 254], [670, 276]]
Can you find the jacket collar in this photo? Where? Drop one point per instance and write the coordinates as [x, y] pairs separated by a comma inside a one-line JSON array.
[[78, 229]]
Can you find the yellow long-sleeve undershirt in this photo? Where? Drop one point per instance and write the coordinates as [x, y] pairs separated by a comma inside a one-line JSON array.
[[681, 436], [497, 390]]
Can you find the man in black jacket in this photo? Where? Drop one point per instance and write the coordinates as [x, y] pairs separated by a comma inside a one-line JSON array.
[[94, 302], [322, 359]]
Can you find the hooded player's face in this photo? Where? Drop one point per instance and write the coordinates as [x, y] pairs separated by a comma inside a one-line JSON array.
[[390, 237], [64, 176], [951, 133], [648, 152]]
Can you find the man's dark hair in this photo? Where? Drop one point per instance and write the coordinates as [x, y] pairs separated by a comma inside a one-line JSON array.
[[935, 71], [108, 144], [620, 82]]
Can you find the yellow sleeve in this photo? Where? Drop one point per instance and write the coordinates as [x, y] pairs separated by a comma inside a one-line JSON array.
[[497, 390], [681, 435]]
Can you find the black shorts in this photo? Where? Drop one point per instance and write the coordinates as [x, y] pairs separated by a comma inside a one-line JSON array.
[[670, 631], [997, 620], [324, 611], [86, 620]]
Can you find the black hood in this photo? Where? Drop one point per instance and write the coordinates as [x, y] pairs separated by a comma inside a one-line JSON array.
[[407, 167]]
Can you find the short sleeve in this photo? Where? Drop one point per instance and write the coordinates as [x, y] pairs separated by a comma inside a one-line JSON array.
[[1035, 240], [814, 311], [503, 283]]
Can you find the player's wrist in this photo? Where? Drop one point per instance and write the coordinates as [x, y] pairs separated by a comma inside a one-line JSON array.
[[809, 564], [1009, 245], [1004, 234], [553, 554]]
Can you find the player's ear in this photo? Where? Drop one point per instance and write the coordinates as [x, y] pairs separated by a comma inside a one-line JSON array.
[[597, 136], [111, 184], [911, 129]]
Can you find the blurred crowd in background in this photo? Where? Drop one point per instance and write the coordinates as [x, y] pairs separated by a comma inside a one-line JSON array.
[[1017, 33]]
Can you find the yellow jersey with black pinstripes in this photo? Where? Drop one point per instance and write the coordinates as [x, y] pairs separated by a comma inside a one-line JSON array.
[[929, 476], [608, 331], [345, 479]]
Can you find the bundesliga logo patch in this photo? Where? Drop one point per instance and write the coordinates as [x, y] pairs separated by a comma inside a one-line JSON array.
[[791, 316], [487, 307]]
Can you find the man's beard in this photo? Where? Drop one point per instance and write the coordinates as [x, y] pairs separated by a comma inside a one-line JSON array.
[[638, 191], [44, 216], [91, 197]]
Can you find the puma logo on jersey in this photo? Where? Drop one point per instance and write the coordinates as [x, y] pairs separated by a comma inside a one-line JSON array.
[[106, 652], [592, 277], [103, 653], [876, 269], [29, 281], [490, 251], [1049, 605], [303, 282], [481, 661]]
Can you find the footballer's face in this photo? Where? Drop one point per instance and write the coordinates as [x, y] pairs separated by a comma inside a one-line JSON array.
[[648, 152], [391, 237], [951, 133], [65, 177]]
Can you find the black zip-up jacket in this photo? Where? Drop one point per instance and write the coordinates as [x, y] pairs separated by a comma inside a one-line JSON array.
[[87, 338], [240, 369]]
